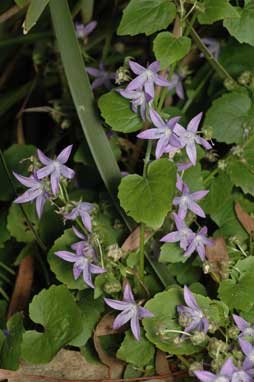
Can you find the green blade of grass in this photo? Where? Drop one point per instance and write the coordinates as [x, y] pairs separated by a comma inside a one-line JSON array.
[[84, 100]]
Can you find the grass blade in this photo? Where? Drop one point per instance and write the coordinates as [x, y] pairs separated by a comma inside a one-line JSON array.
[[83, 98]]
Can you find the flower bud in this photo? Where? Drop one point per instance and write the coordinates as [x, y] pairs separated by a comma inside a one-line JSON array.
[[122, 75], [237, 355], [245, 78], [208, 132], [66, 124], [212, 327], [183, 319], [112, 287], [222, 164], [194, 367], [114, 252], [215, 347], [233, 332], [230, 84], [198, 338]]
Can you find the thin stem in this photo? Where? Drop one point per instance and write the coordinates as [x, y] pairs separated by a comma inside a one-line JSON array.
[[210, 58], [34, 232], [184, 361]]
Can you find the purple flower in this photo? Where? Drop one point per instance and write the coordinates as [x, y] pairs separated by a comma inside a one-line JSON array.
[[246, 329], [146, 78], [177, 84], [102, 77], [81, 209], [131, 311], [248, 350], [192, 314], [55, 168], [183, 166], [213, 46], [187, 200], [189, 138], [164, 132], [83, 31], [198, 244], [37, 191], [83, 260], [224, 374], [183, 233], [138, 98]]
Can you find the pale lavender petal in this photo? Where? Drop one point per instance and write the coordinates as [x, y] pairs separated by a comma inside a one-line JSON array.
[[183, 166], [98, 82], [44, 171], [190, 250], [179, 183], [208, 242], [88, 28], [174, 141], [127, 294], [96, 269], [143, 313], [94, 72], [67, 256], [157, 120], [135, 327], [122, 318], [180, 90], [54, 181], [179, 222], [199, 194], [172, 122], [194, 123], [87, 276], [228, 368], [194, 207], [136, 68], [240, 322], [72, 215], [154, 66], [161, 81], [76, 271], [205, 376], [191, 152], [28, 196], [245, 346], [78, 233], [203, 142], [160, 147], [189, 298], [131, 94], [149, 87], [137, 83], [64, 154], [179, 129], [43, 158], [86, 220], [143, 111], [171, 237], [203, 231], [40, 201], [26, 181], [115, 304], [149, 134], [201, 251], [182, 211]]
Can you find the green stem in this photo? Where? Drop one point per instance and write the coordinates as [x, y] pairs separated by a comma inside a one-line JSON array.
[[210, 58], [184, 361]]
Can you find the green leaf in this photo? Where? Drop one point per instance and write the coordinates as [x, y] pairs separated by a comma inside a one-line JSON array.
[[169, 49], [117, 113], [63, 269], [230, 116], [171, 253], [242, 27], [56, 310], [238, 294], [4, 233], [91, 311], [193, 177], [164, 307], [11, 349], [146, 16], [220, 206], [241, 168], [34, 12], [51, 225], [236, 58], [148, 200], [139, 353], [185, 273], [215, 10], [17, 224], [20, 3], [15, 157]]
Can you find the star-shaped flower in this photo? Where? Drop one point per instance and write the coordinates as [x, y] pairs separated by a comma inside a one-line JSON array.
[[183, 233], [248, 350], [198, 243], [83, 31], [212, 45], [131, 311], [245, 327], [192, 314], [102, 77], [224, 374], [37, 191], [81, 209], [164, 133], [187, 200], [188, 137], [138, 99], [83, 260], [176, 82], [55, 168], [146, 78]]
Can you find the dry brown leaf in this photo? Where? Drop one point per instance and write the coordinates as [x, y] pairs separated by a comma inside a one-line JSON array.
[[217, 256], [23, 285], [162, 366], [244, 218], [132, 241], [104, 327]]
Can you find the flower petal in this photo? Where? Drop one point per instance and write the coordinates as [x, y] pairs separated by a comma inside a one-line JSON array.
[[127, 294], [43, 158], [194, 123], [199, 194], [150, 134], [189, 298], [240, 322], [86, 220], [54, 181], [44, 171], [96, 269], [67, 256], [135, 327], [205, 376], [154, 66], [40, 201], [28, 196], [149, 87], [194, 207], [143, 313], [26, 181], [191, 152], [171, 237], [116, 304], [157, 120], [64, 154], [122, 318], [136, 68], [137, 83]]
